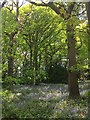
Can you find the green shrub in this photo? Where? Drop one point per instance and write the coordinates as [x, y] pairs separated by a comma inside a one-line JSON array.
[[33, 77], [57, 73], [10, 81]]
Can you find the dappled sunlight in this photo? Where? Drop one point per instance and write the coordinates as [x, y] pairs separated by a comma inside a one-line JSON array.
[[84, 87], [45, 92], [18, 94], [71, 109], [45, 97]]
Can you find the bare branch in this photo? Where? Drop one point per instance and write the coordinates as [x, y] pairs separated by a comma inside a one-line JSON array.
[[53, 7], [9, 9], [2, 5], [37, 4], [11, 34]]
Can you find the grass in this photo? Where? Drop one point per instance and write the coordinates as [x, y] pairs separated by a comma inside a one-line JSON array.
[[48, 101]]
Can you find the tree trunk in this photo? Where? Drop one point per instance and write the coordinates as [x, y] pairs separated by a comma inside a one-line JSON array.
[[88, 12], [46, 59], [17, 10], [10, 65], [72, 74], [36, 52], [39, 64], [31, 57], [35, 57], [10, 57]]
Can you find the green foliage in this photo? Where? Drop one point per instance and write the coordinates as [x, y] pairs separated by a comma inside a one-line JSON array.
[[9, 81], [33, 77], [40, 40], [33, 109], [8, 21], [57, 73]]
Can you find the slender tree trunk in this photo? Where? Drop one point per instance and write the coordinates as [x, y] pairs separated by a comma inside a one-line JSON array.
[[72, 75], [39, 64], [88, 12], [30, 44], [35, 60], [36, 52], [17, 10], [35, 56], [10, 65], [31, 56], [46, 59], [10, 56]]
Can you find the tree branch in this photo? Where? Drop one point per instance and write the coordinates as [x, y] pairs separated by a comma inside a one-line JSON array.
[[39, 4], [2, 5], [11, 34], [70, 9], [51, 5]]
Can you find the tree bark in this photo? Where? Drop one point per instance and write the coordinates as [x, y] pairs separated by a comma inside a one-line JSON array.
[[35, 57], [36, 52], [39, 64], [31, 51], [88, 12], [72, 74], [46, 61], [10, 65], [10, 56], [31, 56], [10, 52]]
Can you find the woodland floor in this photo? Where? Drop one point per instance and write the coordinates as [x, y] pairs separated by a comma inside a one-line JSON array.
[[44, 101]]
